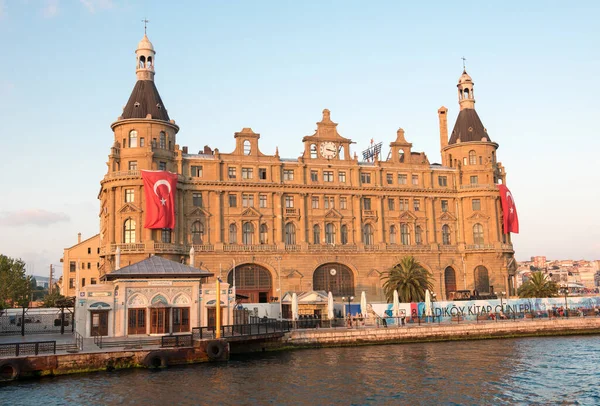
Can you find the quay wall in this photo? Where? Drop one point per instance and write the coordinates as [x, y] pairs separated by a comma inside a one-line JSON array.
[[436, 332]]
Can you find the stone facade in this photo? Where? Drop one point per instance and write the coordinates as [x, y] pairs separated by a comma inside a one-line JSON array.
[[81, 264], [323, 221]]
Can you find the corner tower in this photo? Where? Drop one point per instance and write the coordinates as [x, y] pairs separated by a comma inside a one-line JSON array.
[[144, 137]]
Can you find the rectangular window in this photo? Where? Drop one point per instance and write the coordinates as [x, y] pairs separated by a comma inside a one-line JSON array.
[[402, 178], [391, 204], [82, 282], [231, 172], [442, 181], [288, 174], [444, 205], [328, 176], [93, 281], [129, 196], [72, 266], [417, 204], [247, 173], [71, 283], [142, 142], [165, 235], [89, 250], [162, 166], [247, 200], [328, 202], [232, 200], [474, 180], [133, 165], [314, 176], [262, 173], [289, 202], [403, 204], [89, 265], [342, 177], [389, 178], [315, 202], [476, 204], [415, 179], [366, 203], [343, 203], [365, 177], [197, 171], [262, 201], [197, 199]]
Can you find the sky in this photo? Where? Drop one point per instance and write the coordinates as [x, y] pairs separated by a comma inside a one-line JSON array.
[[68, 67]]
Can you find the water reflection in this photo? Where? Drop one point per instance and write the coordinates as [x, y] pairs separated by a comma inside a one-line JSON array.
[[531, 371]]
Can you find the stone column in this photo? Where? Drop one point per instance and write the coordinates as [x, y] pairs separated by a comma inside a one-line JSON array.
[[461, 238], [218, 219], [303, 217], [279, 223], [380, 222], [112, 217], [356, 213]]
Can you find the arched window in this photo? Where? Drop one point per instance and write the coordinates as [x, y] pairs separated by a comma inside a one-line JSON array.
[[445, 234], [133, 139], [450, 281], [344, 234], [264, 234], [418, 235], [197, 232], [149, 62], [335, 278], [368, 234], [316, 234], [253, 281], [142, 62], [472, 157], [248, 233], [232, 234], [482, 280], [450, 160], [478, 234], [313, 150], [162, 141], [290, 234], [404, 234], [129, 231], [329, 233], [247, 147], [392, 234]]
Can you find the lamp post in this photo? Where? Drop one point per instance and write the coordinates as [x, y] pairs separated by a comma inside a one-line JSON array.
[[501, 294], [278, 259], [350, 299]]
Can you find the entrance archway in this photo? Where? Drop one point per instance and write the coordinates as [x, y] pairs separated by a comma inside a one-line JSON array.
[[482, 280], [335, 278], [449, 281], [253, 281]]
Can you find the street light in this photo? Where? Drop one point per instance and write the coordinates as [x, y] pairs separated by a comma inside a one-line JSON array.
[[350, 299], [501, 294]]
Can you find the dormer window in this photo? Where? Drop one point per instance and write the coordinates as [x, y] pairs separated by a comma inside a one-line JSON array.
[[313, 151], [136, 104], [158, 106], [247, 147]]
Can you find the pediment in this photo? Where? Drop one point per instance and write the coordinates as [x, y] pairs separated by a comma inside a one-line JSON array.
[[374, 273], [198, 212], [129, 208], [478, 216], [408, 216], [447, 217], [251, 212], [333, 214], [293, 273]]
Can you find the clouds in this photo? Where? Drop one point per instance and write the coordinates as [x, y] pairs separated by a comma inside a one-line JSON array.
[[34, 217], [50, 9], [95, 5]]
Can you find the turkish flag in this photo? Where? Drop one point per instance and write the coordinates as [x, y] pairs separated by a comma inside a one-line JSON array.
[[159, 190], [509, 211]]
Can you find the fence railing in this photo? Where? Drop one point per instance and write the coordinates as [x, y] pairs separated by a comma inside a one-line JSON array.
[[37, 321], [268, 326], [33, 348], [184, 340]]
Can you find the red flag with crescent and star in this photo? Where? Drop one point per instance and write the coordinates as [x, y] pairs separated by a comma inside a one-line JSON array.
[[159, 190], [509, 210]]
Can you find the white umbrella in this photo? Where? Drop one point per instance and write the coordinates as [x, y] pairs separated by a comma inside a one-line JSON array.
[[363, 303], [330, 313], [396, 307], [428, 311], [294, 306]]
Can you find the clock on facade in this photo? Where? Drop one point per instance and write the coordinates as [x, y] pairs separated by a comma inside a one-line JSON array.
[[332, 271], [328, 150]]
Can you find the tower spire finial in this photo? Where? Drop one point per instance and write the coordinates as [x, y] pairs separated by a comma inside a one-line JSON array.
[[145, 21], [464, 64]]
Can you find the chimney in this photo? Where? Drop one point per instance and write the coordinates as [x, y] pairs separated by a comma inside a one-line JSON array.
[[442, 114], [78, 238]]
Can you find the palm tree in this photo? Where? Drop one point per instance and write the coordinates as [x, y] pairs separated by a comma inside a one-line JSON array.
[[538, 286], [409, 278]]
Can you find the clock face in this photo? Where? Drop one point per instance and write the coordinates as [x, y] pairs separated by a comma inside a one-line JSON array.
[[332, 272], [328, 150]]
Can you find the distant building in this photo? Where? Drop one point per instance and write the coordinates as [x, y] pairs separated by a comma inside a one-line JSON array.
[[80, 265], [539, 262]]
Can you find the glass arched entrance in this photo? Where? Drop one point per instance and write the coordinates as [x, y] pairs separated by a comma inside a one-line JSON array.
[[253, 281], [449, 281], [335, 278], [482, 280]]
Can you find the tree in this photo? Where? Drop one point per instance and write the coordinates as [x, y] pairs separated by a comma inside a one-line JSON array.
[[538, 286], [409, 278], [54, 299], [15, 286]]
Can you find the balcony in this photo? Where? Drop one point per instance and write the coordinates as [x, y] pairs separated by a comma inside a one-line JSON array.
[[332, 248], [480, 247], [371, 248], [203, 247], [123, 174], [407, 248], [150, 247], [290, 211], [293, 247], [507, 247], [448, 248], [369, 213], [478, 186], [249, 248]]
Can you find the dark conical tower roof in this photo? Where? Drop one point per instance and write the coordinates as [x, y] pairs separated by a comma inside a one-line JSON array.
[[145, 100], [468, 128]]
